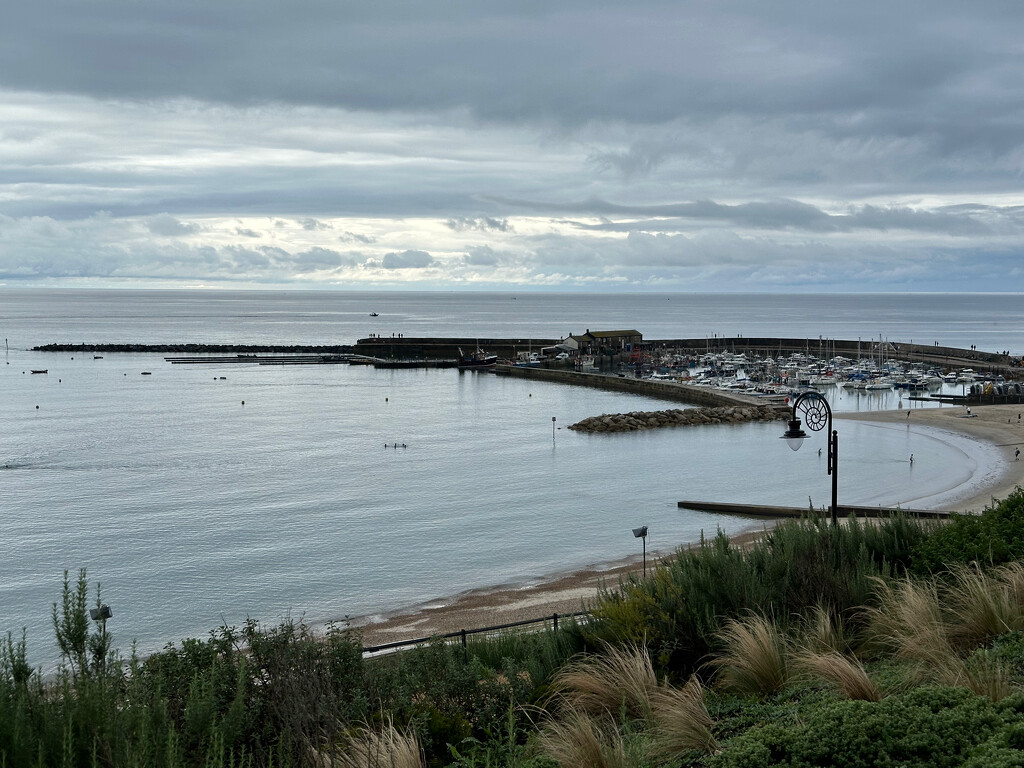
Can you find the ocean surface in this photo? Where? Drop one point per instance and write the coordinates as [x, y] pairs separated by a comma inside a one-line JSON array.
[[195, 510]]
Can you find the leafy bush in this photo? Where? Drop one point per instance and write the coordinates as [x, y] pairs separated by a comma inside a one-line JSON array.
[[996, 536], [678, 612], [931, 727]]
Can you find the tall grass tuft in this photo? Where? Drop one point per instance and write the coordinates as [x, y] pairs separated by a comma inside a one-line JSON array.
[[386, 748], [846, 673], [981, 605], [988, 676], [577, 740], [821, 632], [907, 621], [754, 656], [681, 720], [613, 681], [1012, 577]]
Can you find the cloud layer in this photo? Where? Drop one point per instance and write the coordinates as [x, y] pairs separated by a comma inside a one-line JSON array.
[[686, 146]]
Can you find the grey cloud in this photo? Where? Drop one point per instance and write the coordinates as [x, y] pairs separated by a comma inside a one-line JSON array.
[[353, 237], [479, 223], [574, 61], [407, 260], [639, 159], [483, 256], [724, 140], [166, 225], [321, 258], [312, 225], [958, 221]]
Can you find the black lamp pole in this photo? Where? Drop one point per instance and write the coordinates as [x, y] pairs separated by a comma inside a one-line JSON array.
[[817, 415], [641, 533]]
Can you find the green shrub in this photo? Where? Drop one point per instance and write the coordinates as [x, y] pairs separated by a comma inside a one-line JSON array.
[[800, 564], [931, 727], [994, 537], [1009, 649]]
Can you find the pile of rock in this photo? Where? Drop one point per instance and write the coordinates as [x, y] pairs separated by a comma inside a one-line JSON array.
[[676, 417]]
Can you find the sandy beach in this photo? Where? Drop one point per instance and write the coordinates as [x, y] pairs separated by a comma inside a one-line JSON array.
[[999, 425]]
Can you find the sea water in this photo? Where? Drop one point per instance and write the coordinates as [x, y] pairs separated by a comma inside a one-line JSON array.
[[194, 510]]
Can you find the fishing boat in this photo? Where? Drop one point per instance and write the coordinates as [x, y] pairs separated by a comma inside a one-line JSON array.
[[44, 370], [478, 360]]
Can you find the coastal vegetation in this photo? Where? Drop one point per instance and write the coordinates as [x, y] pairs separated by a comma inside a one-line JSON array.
[[896, 642]]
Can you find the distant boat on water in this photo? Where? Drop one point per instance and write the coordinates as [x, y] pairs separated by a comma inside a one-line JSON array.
[[374, 314], [476, 361], [44, 370]]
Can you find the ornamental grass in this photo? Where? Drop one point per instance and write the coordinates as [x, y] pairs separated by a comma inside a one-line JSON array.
[[613, 681], [754, 656]]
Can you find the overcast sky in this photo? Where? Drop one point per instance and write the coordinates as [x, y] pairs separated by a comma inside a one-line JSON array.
[[642, 145]]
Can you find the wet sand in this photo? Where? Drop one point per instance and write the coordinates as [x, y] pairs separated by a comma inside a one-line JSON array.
[[997, 425]]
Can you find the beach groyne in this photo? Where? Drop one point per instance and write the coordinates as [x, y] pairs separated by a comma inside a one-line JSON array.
[[775, 512], [676, 417]]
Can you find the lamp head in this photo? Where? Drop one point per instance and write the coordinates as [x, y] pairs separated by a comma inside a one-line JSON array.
[[100, 614], [640, 532], [794, 436]]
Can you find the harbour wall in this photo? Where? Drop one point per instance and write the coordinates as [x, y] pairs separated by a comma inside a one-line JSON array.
[[447, 348], [663, 390]]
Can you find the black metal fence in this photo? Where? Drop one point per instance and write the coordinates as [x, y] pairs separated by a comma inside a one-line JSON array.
[[463, 634]]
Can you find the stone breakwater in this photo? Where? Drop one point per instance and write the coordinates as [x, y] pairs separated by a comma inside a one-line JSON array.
[[677, 417]]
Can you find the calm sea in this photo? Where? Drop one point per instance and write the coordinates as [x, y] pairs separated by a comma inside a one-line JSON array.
[[193, 510]]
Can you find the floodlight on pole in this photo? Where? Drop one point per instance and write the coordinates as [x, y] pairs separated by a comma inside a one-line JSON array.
[[641, 533]]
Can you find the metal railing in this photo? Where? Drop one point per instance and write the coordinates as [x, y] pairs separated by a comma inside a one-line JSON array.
[[463, 634]]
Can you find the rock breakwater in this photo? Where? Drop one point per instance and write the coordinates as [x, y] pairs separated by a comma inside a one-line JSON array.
[[679, 417]]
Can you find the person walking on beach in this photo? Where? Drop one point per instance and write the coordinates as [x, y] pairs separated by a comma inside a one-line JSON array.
[[1016, 455], [911, 459]]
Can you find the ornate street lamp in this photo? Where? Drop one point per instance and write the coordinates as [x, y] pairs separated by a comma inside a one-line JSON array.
[[817, 416]]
